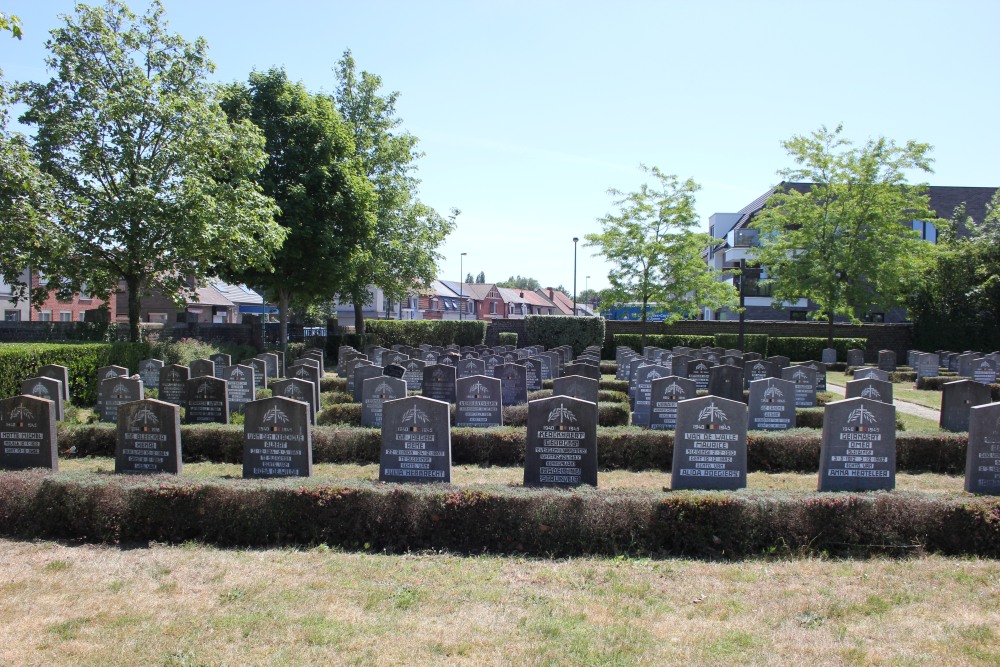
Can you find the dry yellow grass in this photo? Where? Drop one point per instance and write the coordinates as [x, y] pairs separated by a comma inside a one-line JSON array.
[[193, 605]]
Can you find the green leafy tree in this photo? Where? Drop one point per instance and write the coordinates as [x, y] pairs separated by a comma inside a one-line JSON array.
[[521, 282], [846, 243], [327, 205], [12, 24], [957, 302], [468, 278], [656, 253], [149, 183], [400, 254], [481, 278]]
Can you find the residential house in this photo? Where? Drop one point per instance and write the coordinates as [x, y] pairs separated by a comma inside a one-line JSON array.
[[209, 306], [379, 306], [519, 303], [486, 302], [14, 312], [444, 302], [737, 240], [564, 302], [73, 309]]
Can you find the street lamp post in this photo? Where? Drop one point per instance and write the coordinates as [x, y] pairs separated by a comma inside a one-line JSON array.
[[575, 239], [586, 288], [461, 285]]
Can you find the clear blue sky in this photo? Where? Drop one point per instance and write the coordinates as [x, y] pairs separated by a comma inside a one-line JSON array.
[[529, 111]]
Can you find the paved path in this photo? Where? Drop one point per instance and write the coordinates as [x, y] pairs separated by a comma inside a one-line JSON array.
[[902, 406]]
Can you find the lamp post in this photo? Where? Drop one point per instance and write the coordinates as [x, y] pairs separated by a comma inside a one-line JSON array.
[[586, 289], [461, 286], [743, 279], [575, 239]]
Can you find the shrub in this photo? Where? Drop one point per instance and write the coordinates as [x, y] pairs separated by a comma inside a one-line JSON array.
[[432, 332], [807, 349], [20, 361], [186, 350], [507, 338], [577, 332], [609, 414], [665, 341], [936, 383], [751, 342], [332, 383]]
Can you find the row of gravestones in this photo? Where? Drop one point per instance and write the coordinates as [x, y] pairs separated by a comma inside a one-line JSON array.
[[858, 451], [984, 368]]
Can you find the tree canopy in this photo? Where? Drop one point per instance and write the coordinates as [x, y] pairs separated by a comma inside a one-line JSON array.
[[521, 282], [148, 181], [12, 24], [846, 243], [316, 179], [656, 253]]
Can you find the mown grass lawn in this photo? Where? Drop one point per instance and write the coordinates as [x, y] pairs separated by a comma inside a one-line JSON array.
[[903, 391]]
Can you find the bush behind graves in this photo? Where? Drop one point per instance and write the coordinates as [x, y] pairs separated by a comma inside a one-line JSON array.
[[553, 331], [665, 341], [20, 361], [507, 338], [186, 350], [491, 519], [432, 332], [936, 383], [810, 349], [751, 342]]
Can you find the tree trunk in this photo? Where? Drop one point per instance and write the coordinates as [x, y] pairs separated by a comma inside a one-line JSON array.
[[134, 287], [283, 298], [829, 328], [359, 317], [642, 318]]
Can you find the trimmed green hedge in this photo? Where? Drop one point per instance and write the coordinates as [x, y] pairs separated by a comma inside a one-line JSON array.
[[751, 342], [936, 383], [665, 341], [507, 338], [577, 332], [20, 361], [627, 447], [811, 349], [540, 522], [349, 414], [432, 332]]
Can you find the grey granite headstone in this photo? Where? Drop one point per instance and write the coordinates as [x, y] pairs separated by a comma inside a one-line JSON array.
[[362, 373], [870, 388], [239, 386], [555, 363], [309, 374], [805, 384], [957, 398], [780, 361], [698, 370], [679, 364], [259, 372], [772, 405], [561, 448], [858, 451], [106, 372], [221, 361], [47, 388], [478, 402], [115, 391], [545, 366], [469, 367], [886, 360], [173, 383], [149, 438], [416, 441], [375, 391], [57, 372], [855, 357], [395, 358], [200, 367], [726, 381], [439, 383], [533, 373], [492, 361], [206, 401], [982, 462], [297, 390], [667, 392], [984, 370], [27, 433], [710, 445], [352, 366], [868, 372], [644, 378], [577, 386], [277, 439], [584, 369], [414, 375], [149, 373], [513, 378], [430, 358], [760, 370], [927, 365], [394, 371], [820, 369], [281, 362], [829, 355], [966, 363], [270, 360]]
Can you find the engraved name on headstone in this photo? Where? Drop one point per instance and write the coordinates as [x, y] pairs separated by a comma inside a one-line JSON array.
[[439, 383], [362, 373], [115, 391], [375, 391], [805, 384], [221, 362], [982, 462], [239, 386], [416, 440], [149, 373], [870, 388], [297, 390], [173, 383], [414, 375], [858, 451], [148, 438], [479, 402], [667, 392], [469, 367], [710, 445], [772, 405], [644, 378], [513, 378], [27, 433], [277, 439], [200, 367], [561, 448], [206, 401]]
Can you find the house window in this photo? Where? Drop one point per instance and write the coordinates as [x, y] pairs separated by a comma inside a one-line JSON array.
[[797, 315], [83, 316], [12, 316], [493, 307], [158, 317], [46, 316], [927, 230], [85, 295], [65, 316]]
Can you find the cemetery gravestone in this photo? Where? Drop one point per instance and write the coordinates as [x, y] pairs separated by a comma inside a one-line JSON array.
[[206, 401], [374, 393], [239, 386], [805, 385], [780, 361], [492, 361], [281, 363], [985, 371], [309, 374], [149, 438], [957, 398], [855, 357], [513, 388], [886, 360], [870, 388], [982, 462], [667, 392], [350, 368], [561, 448], [858, 451], [57, 372], [115, 391], [751, 356], [877, 373], [820, 369], [221, 362], [698, 370], [760, 370], [416, 440], [414, 375], [47, 388], [439, 383], [577, 386], [710, 445], [362, 373], [479, 402], [200, 367], [726, 381], [679, 364], [27, 434], [173, 383], [545, 364], [149, 373], [270, 360], [829, 355], [644, 378], [107, 372], [469, 367], [533, 373], [394, 371], [297, 390], [259, 372], [277, 439], [966, 363], [927, 365], [772, 404]]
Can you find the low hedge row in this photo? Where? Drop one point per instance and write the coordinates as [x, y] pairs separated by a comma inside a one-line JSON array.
[[811, 349], [751, 342], [619, 448], [349, 414], [553, 331], [936, 383], [507, 338], [665, 341], [549, 523], [433, 332]]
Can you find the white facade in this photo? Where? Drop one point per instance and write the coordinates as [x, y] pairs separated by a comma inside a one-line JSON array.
[[14, 312]]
